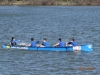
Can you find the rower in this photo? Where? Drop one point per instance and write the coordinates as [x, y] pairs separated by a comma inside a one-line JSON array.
[[45, 43], [13, 41], [59, 44], [32, 43], [71, 43]]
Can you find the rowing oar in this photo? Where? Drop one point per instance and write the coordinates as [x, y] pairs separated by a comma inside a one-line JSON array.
[[37, 42]]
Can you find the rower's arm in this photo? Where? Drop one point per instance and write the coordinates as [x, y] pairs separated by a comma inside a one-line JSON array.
[[56, 45]]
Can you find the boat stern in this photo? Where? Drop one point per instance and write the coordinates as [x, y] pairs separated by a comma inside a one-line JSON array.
[[6, 46]]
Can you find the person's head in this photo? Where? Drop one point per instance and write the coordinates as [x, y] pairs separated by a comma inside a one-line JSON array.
[[44, 39], [59, 39], [32, 39], [72, 39], [12, 38]]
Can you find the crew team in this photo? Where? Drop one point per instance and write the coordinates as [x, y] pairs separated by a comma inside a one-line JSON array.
[[45, 43]]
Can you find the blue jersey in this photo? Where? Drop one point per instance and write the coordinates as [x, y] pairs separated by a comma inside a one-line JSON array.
[[46, 44], [61, 44], [74, 43], [32, 44]]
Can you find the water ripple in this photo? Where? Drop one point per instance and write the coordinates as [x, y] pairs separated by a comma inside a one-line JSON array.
[[51, 22]]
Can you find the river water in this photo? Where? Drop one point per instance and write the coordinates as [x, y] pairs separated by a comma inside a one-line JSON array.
[[51, 22]]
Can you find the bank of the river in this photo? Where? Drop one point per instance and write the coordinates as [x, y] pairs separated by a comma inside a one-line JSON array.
[[52, 2]]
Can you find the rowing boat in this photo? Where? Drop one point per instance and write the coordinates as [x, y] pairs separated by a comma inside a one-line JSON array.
[[68, 48]]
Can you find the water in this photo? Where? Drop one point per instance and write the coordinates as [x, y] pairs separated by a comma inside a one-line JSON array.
[[51, 22]]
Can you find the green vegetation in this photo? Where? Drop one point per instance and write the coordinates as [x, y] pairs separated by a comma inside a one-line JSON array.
[[49, 2]]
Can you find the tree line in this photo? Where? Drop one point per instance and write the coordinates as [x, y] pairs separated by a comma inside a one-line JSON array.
[[50, 2]]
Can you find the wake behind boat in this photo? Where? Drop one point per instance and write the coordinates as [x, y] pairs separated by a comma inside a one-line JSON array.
[[68, 48]]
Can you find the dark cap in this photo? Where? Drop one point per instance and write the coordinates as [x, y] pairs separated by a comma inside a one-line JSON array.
[[44, 39], [59, 39], [32, 39]]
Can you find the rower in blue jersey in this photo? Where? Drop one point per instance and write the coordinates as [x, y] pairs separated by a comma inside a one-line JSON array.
[[60, 43], [13, 41], [72, 42], [45, 43], [32, 43]]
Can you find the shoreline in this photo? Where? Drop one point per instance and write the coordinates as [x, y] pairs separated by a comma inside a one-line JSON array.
[[55, 3]]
